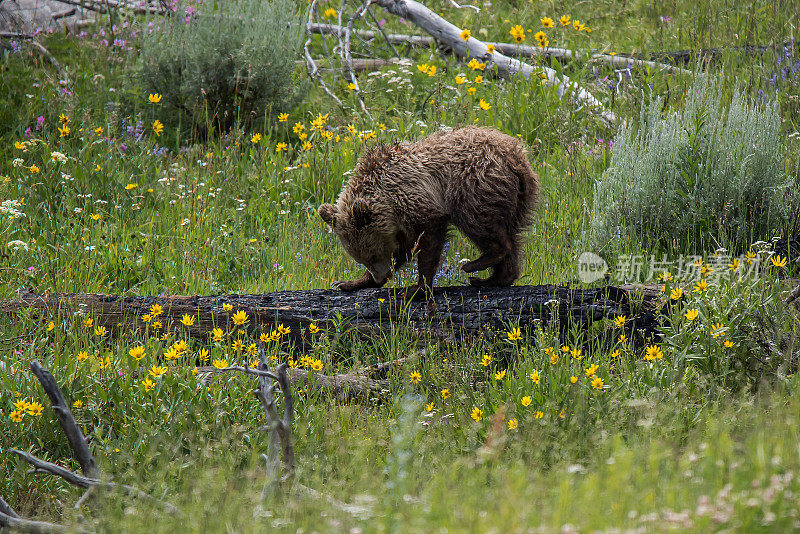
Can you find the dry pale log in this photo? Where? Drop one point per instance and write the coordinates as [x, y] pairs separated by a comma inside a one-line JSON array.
[[450, 35], [509, 49], [453, 311]]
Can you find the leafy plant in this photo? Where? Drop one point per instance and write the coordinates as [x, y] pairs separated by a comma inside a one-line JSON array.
[[225, 64], [704, 175]]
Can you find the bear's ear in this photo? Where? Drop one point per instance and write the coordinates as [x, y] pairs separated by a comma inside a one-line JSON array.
[[362, 213], [328, 214]]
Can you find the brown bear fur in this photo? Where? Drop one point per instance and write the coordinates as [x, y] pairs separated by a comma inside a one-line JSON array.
[[403, 197]]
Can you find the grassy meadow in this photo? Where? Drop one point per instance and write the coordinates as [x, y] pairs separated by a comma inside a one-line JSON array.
[[102, 191]]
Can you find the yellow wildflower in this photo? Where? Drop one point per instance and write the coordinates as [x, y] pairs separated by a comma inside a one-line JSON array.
[[465, 34], [220, 364], [512, 424], [691, 315], [535, 377], [477, 413], [158, 127], [157, 371], [414, 377], [526, 400], [155, 98], [137, 352], [240, 317]]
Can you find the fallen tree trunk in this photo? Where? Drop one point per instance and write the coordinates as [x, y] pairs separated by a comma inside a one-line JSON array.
[[450, 35], [508, 49], [454, 311]]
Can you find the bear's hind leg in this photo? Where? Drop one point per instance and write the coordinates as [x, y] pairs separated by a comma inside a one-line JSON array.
[[505, 272], [493, 250]]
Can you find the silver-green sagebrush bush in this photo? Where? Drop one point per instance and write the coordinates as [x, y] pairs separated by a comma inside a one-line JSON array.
[[696, 178], [225, 64]]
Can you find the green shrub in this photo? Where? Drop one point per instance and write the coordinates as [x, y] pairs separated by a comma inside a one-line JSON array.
[[693, 179], [225, 65]]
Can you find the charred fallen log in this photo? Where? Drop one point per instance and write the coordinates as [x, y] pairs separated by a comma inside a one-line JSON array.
[[452, 311]]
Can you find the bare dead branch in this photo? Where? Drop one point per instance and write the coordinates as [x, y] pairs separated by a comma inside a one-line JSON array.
[[37, 527], [793, 297], [311, 66], [5, 508], [457, 6], [81, 481], [348, 57], [67, 421]]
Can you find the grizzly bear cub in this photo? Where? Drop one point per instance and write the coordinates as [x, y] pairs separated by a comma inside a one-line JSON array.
[[403, 197]]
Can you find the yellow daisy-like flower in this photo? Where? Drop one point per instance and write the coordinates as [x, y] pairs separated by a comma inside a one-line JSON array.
[[777, 261], [99, 130], [283, 117], [622, 338], [155, 98], [445, 393], [576, 353], [100, 331], [63, 131], [460, 80], [535, 377], [471, 90], [518, 33], [35, 408], [330, 13], [172, 354], [82, 356], [565, 348], [477, 413], [284, 329], [137, 352], [597, 383], [526, 400], [316, 365], [217, 334], [485, 106], [665, 276], [313, 328], [592, 370], [653, 352], [691, 315], [35, 169], [156, 310], [220, 364], [465, 34], [227, 307], [414, 377], [95, 216], [749, 256], [538, 414], [474, 64], [429, 407], [203, 355], [188, 320], [701, 286], [19, 145], [15, 416], [78, 404], [717, 330], [280, 147], [619, 320], [676, 293], [479, 79], [255, 138], [514, 334], [547, 22], [490, 48], [728, 343], [540, 36], [486, 360], [554, 358], [240, 317], [148, 384], [51, 326], [512, 424], [564, 20], [573, 379], [104, 362], [158, 127], [298, 127], [237, 345], [157, 371], [432, 71], [499, 375], [734, 265]]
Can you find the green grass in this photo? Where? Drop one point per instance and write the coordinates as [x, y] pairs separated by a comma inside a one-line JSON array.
[[702, 437]]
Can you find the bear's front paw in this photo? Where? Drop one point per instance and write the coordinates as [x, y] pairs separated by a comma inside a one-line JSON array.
[[346, 285]]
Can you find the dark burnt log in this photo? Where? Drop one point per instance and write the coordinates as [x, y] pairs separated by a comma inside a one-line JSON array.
[[452, 312]]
